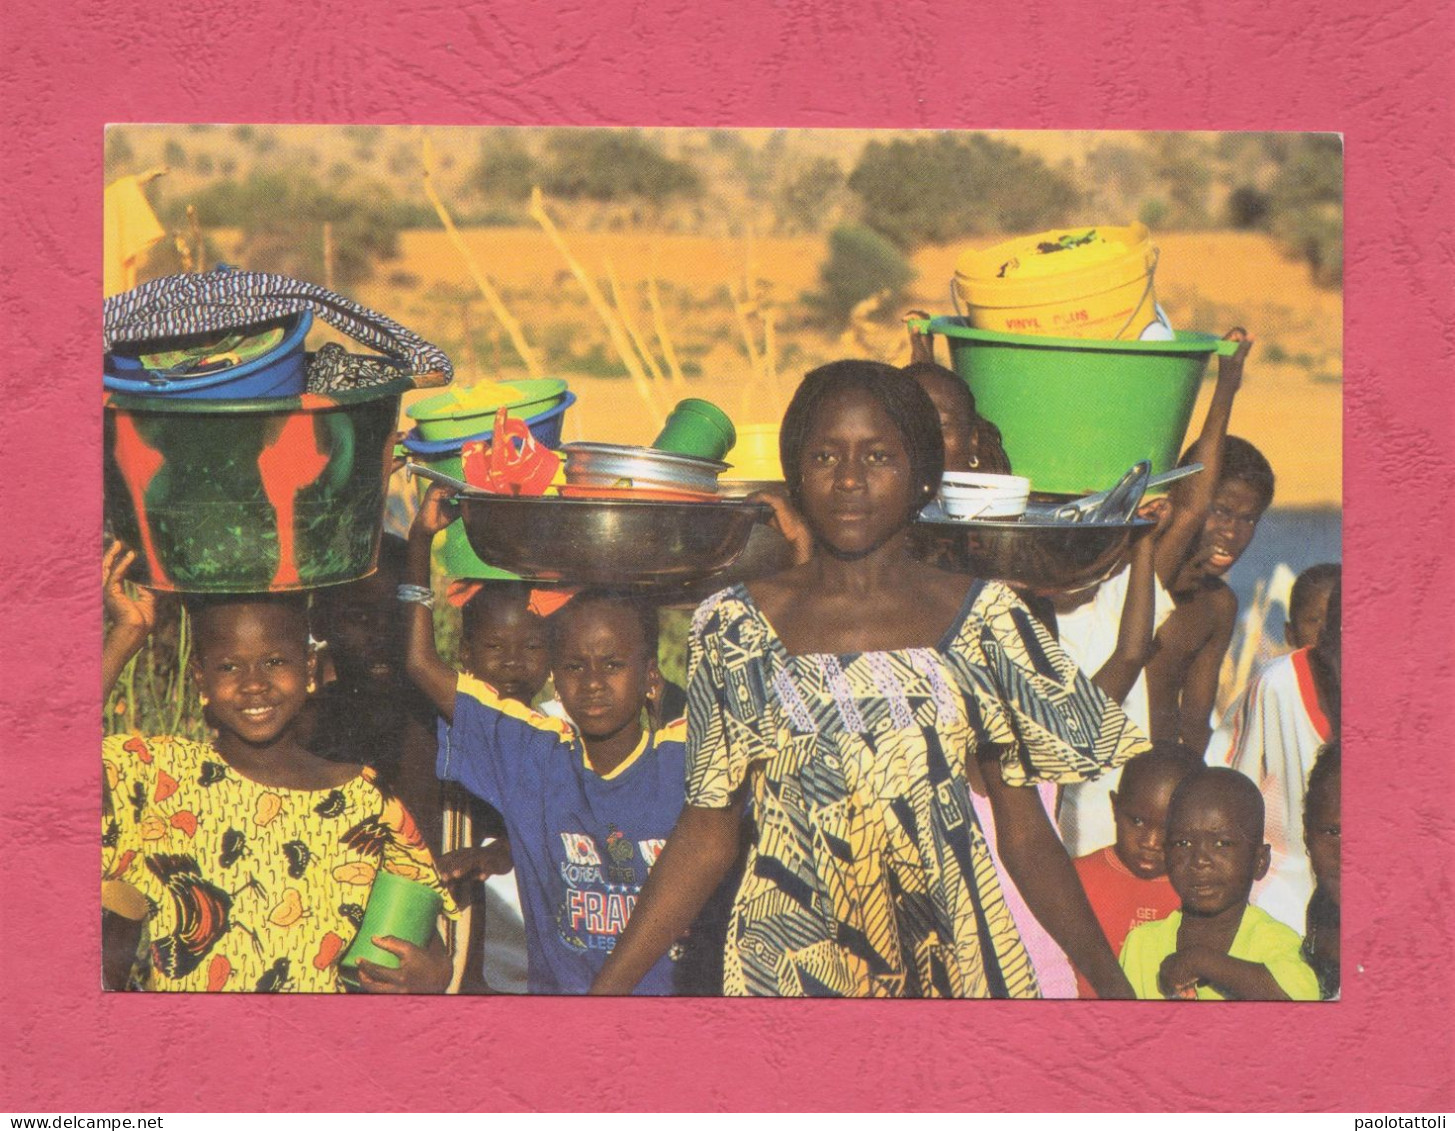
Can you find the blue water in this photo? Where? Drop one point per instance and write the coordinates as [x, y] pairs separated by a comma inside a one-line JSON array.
[[1298, 537]]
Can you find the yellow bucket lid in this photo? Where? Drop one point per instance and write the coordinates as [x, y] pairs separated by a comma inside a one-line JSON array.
[[1053, 255]]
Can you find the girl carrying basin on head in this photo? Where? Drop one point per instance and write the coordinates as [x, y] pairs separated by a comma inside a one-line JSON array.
[[855, 698], [245, 862]]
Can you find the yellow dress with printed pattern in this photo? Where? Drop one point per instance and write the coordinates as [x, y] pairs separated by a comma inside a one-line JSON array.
[[249, 887], [869, 876]]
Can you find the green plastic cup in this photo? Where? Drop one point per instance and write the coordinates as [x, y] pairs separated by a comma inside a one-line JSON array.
[[697, 428], [403, 909]]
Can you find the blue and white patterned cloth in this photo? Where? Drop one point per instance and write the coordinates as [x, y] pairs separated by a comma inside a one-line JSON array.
[[228, 299]]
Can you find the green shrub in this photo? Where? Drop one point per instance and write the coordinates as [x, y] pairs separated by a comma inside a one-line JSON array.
[[614, 167], [861, 264], [506, 171], [281, 215], [1306, 202], [941, 188]]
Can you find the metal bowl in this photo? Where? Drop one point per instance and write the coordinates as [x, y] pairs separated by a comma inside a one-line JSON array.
[[1048, 557], [608, 465], [609, 542]]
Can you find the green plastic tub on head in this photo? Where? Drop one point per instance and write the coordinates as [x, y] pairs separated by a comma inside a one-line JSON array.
[[250, 496], [453, 550], [1075, 413], [468, 411]]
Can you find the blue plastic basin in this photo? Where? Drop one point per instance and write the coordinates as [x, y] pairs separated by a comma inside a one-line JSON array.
[[279, 373]]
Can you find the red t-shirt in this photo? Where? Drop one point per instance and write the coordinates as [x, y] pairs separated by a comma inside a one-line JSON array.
[[1120, 900]]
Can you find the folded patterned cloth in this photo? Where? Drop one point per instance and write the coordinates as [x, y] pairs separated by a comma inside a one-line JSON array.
[[226, 299]]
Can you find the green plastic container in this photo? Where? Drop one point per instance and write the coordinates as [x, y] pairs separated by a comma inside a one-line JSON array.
[[1075, 413], [452, 550], [250, 496], [397, 908], [464, 412]]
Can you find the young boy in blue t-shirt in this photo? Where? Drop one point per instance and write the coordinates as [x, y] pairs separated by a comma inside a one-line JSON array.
[[588, 803]]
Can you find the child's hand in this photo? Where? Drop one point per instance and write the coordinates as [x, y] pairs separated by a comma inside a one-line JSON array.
[[436, 512], [789, 523], [420, 971], [133, 612], [1182, 971], [1231, 368], [467, 864]]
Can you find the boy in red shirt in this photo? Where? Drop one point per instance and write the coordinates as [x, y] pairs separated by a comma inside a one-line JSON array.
[[1126, 882]]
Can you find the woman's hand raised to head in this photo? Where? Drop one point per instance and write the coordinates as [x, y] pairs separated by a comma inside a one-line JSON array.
[[789, 523]]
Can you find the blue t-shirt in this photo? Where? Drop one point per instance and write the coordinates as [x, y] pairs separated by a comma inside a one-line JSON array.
[[582, 843]]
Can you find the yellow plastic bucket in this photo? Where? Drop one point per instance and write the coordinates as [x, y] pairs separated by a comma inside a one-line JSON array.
[[755, 455], [1069, 283]]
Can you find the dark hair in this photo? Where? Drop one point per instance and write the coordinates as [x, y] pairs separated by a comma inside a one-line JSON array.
[[202, 608], [1242, 463], [1321, 919], [990, 455], [1322, 916], [1326, 767], [1171, 758], [1325, 659], [1308, 583], [643, 610], [907, 405], [492, 595], [1236, 787]]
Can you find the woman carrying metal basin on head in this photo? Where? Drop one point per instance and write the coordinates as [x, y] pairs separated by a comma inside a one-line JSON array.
[[855, 698]]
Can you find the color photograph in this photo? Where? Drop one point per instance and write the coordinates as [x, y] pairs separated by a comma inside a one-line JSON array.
[[722, 562]]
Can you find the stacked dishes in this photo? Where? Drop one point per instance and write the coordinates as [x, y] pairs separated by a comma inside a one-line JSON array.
[[446, 422], [618, 471]]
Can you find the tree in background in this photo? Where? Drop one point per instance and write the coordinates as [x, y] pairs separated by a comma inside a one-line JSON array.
[[1306, 205], [861, 264], [506, 170], [1181, 167], [810, 197], [614, 166], [941, 188], [282, 214]]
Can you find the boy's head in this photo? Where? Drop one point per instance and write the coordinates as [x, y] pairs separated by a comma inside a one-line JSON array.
[[1140, 806], [603, 649], [503, 642], [1322, 833], [971, 442], [362, 623], [1308, 604], [1243, 493], [1215, 848]]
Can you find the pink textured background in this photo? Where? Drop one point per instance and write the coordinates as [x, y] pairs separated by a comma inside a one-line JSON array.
[[1379, 73]]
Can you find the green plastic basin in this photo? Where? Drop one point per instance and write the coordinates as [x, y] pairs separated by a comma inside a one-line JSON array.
[[463, 412], [248, 496], [1075, 413]]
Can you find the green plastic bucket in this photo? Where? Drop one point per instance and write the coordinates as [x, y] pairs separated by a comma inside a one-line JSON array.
[[452, 551], [1075, 413], [250, 496]]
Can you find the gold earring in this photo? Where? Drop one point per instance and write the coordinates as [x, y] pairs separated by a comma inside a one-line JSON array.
[[975, 461], [312, 685], [202, 697]]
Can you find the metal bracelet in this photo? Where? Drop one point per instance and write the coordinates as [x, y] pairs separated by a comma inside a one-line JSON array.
[[417, 594]]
